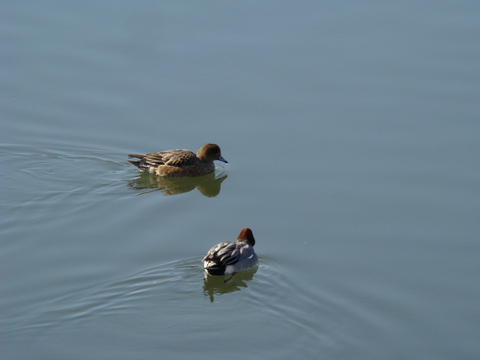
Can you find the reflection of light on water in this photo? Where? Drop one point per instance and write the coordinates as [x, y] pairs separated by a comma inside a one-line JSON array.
[[227, 283], [208, 185]]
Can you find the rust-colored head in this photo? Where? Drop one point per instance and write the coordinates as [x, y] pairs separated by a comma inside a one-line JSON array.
[[246, 236]]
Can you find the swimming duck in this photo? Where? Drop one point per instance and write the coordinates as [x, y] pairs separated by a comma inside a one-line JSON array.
[[180, 162], [230, 257]]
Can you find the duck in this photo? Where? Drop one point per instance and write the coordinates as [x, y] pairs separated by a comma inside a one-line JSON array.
[[179, 162], [230, 257]]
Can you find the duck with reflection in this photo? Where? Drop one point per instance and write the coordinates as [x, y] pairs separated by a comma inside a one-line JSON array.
[[179, 162], [230, 257]]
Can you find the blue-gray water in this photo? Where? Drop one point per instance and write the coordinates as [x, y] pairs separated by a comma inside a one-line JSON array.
[[352, 131]]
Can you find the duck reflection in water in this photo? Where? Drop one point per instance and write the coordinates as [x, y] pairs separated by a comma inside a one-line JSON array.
[[218, 285], [209, 185]]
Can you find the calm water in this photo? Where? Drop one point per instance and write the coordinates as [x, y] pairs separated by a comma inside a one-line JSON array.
[[352, 134]]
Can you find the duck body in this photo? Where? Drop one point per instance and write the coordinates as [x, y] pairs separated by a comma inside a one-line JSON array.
[[230, 257], [179, 162]]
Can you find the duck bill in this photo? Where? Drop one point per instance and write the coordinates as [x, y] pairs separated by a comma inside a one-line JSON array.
[[223, 160]]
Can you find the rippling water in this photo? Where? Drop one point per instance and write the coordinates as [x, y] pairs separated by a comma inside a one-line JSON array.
[[351, 131]]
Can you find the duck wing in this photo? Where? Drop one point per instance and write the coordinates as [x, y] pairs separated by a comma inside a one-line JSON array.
[[178, 157], [226, 253]]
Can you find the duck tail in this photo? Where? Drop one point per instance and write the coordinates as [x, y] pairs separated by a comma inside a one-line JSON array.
[[215, 269], [137, 163]]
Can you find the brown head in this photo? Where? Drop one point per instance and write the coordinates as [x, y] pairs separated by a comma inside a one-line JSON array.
[[210, 152], [246, 236]]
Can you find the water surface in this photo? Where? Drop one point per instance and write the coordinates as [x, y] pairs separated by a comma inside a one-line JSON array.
[[351, 131]]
